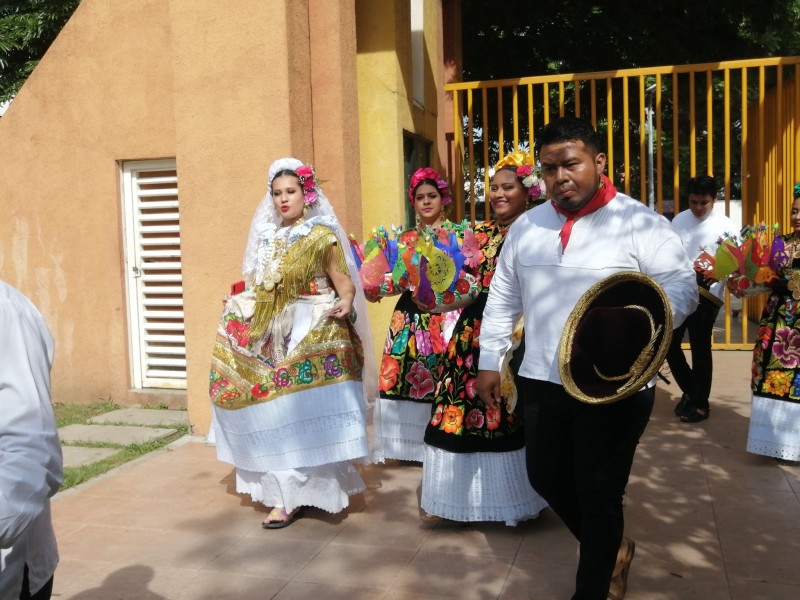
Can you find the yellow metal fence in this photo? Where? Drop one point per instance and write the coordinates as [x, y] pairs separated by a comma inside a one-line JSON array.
[[737, 120]]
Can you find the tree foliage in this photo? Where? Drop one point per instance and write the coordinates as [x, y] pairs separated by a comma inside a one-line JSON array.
[[27, 28], [518, 38]]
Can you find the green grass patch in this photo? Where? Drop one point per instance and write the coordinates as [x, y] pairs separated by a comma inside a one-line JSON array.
[[79, 414]]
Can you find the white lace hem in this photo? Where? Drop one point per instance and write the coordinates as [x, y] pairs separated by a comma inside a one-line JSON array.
[[774, 428], [328, 487], [400, 429], [480, 486], [310, 428]]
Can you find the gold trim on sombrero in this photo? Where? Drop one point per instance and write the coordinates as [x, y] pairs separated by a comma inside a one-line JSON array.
[[656, 356], [718, 302]]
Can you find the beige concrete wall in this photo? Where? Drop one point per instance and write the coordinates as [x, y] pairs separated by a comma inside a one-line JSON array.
[[102, 94], [225, 92]]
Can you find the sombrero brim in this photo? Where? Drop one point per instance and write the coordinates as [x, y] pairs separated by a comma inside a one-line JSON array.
[[642, 289]]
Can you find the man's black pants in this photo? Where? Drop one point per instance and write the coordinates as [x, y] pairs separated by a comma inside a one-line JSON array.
[[694, 381], [579, 458]]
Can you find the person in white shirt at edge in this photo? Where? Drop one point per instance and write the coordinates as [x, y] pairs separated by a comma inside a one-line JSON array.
[[700, 229], [578, 455], [31, 468]]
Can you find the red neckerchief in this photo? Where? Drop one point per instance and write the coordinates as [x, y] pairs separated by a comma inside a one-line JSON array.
[[602, 196]]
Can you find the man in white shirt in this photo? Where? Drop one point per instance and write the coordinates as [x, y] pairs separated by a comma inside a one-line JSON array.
[[579, 455], [30, 452], [700, 229]]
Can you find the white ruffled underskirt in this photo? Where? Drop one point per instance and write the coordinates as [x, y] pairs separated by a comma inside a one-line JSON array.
[[480, 486], [399, 429], [310, 428], [328, 487], [774, 428]]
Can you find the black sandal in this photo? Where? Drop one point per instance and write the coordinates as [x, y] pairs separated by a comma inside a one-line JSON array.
[[695, 414]]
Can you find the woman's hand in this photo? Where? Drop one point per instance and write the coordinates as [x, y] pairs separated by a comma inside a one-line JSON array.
[[342, 309]]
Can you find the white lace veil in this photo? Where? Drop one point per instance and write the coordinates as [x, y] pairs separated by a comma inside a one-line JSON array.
[[266, 213]]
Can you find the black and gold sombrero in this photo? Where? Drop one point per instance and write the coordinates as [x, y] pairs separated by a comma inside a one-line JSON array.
[[615, 338]]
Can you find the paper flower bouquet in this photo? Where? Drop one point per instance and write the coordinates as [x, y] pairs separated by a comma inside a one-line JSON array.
[[749, 261], [430, 262]]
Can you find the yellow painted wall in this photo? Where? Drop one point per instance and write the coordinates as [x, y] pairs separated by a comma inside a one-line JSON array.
[[386, 109]]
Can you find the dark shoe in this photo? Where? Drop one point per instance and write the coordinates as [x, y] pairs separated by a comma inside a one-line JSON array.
[[278, 518], [695, 414], [680, 407], [619, 579]]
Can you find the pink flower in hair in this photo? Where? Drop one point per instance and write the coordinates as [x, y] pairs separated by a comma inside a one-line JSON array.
[[426, 173], [308, 183]]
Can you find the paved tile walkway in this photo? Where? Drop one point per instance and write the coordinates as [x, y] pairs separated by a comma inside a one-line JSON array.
[[711, 522]]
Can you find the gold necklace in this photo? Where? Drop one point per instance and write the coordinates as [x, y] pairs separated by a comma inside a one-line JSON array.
[[272, 263]]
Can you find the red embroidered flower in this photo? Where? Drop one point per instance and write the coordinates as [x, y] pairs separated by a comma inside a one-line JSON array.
[[388, 375], [421, 381], [493, 416], [448, 297], [239, 332], [259, 391], [437, 415], [474, 419], [471, 388], [462, 286], [435, 328]]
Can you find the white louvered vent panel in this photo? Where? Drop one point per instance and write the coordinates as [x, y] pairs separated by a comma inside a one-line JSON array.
[[156, 274]]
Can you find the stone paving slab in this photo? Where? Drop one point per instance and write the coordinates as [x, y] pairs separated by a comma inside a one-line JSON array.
[[77, 456], [143, 416], [114, 434]]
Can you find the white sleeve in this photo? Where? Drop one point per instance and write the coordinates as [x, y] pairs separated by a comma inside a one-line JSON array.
[[30, 453], [503, 307], [663, 257]]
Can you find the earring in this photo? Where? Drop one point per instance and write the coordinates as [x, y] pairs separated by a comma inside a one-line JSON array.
[[305, 209], [417, 219]]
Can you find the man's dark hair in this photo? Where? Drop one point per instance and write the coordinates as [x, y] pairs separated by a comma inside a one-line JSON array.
[[569, 129], [702, 185]]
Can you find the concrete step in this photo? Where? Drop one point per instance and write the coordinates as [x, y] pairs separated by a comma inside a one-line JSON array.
[[143, 416], [123, 435], [77, 456]]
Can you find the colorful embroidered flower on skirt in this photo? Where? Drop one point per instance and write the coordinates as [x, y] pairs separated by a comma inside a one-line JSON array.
[[786, 347], [421, 381], [778, 382], [239, 332], [398, 322], [281, 378], [390, 369], [332, 366], [493, 416], [437, 415], [474, 419], [423, 339], [259, 390], [764, 336], [453, 420], [305, 372], [794, 392]]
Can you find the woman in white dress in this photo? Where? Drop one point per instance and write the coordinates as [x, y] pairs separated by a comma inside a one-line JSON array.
[[292, 357]]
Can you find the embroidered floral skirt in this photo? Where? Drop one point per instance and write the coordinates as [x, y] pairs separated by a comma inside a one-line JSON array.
[[305, 410], [459, 420], [775, 414], [407, 373]]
